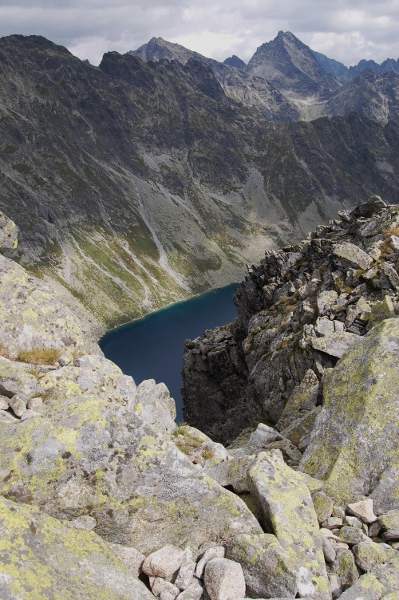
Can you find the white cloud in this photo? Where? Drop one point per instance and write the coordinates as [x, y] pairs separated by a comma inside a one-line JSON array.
[[346, 31]]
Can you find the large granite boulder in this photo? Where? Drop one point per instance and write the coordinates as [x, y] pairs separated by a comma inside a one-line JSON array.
[[42, 557], [353, 446], [91, 451], [33, 318]]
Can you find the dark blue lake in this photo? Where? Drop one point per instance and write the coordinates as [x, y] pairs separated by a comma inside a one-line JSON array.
[[153, 347]]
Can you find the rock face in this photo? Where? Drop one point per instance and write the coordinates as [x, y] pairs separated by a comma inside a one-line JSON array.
[[353, 444], [298, 312], [313, 351], [292, 67]]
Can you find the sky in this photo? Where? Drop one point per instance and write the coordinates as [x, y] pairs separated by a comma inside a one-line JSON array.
[[341, 29]]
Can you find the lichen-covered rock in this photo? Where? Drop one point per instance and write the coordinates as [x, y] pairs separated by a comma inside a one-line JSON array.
[[335, 344], [352, 254], [368, 555], [323, 505], [92, 452], [303, 397], [8, 233], [41, 557], [390, 524], [266, 569], [375, 585], [33, 317], [287, 509], [345, 567], [353, 445]]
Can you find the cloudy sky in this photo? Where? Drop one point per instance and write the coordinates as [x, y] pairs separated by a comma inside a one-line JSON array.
[[346, 30]]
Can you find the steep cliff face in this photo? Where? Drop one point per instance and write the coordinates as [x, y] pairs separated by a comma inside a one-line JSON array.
[[298, 311], [148, 181]]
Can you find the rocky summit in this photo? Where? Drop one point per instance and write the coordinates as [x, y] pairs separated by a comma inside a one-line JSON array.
[[103, 495]]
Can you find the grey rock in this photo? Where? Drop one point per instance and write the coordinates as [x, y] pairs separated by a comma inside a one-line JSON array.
[[345, 567], [368, 555], [8, 233], [351, 535], [131, 558], [193, 592], [336, 344], [224, 579], [162, 589], [18, 405], [389, 522], [353, 255], [328, 550], [52, 547], [209, 554], [351, 396], [164, 563], [266, 569], [185, 575], [287, 509]]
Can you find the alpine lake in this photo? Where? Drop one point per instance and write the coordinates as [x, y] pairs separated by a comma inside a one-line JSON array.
[[153, 347]]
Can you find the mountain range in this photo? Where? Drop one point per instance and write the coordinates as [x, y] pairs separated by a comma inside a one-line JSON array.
[[160, 173]]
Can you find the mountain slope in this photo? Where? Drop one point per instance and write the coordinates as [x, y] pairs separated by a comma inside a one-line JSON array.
[[136, 184], [370, 95]]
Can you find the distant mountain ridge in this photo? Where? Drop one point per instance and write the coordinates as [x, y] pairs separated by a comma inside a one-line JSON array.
[[287, 81], [136, 184]]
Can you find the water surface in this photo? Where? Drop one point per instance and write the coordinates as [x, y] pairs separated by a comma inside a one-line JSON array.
[[153, 347]]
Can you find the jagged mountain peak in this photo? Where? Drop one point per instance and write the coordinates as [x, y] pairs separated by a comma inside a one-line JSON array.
[[158, 48], [234, 61], [292, 67]]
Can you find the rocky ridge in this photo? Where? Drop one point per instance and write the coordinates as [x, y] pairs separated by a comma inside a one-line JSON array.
[[96, 475], [286, 81]]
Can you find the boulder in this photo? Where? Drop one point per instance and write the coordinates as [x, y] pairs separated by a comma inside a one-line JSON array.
[[353, 255], [369, 555], [40, 555], [287, 510], [375, 585], [363, 509], [92, 453], [266, 569], [164, 562], [353, 444], [335, 344], [224, 579], [33, 317]]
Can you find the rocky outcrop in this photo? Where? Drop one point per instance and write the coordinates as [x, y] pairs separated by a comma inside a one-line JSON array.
[[42, 557], [317, 357], [298, 312]]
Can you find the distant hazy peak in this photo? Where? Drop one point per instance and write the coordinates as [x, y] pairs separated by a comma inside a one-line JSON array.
[[234, 61], [158, 48]]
